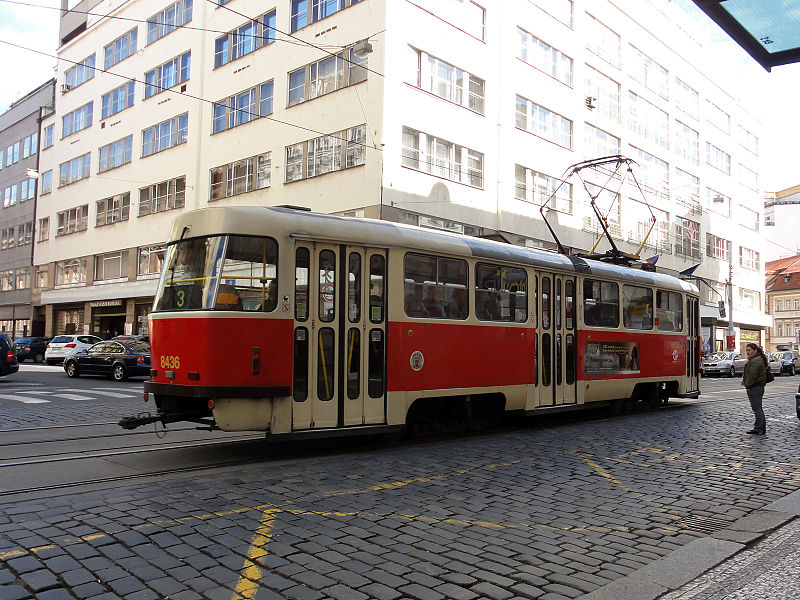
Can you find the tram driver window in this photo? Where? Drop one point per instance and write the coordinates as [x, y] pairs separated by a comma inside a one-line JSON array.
[[669, 311], [600, 303], [637, 307], [435, 287], [501, 293], [249, 275]]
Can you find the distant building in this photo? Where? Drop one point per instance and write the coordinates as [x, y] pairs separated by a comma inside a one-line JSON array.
[[19, 161], [782, 222], [452, 114], [783, 302]]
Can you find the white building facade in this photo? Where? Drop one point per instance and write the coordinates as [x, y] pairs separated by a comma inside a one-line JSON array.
[[463, 116]]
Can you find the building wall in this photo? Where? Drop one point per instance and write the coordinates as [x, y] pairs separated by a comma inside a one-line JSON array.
[[19, 137], [479, 39]]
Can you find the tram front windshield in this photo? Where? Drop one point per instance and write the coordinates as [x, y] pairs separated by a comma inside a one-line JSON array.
[[219, 273]]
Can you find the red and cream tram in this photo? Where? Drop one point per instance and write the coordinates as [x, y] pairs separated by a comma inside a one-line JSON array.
[[291, 322]]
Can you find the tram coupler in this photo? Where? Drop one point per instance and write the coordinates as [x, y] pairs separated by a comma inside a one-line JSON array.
[[139, 420]]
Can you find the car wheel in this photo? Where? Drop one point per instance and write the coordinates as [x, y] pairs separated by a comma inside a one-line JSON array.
[[72, 369], [39, 358], [119, 373], [732, 372]]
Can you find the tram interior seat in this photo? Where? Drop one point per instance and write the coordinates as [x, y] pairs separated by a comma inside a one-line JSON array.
[[228, 298]]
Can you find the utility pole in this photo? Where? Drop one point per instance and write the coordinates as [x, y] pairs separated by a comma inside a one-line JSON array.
[[730, 342]]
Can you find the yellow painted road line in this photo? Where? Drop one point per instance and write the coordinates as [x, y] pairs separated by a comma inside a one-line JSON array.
[[247, 586]]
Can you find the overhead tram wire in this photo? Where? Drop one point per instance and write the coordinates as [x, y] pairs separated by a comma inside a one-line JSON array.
[[290, 39], [198, 98]]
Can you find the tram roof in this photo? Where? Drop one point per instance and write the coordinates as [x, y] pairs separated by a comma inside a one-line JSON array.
[[301, 225]]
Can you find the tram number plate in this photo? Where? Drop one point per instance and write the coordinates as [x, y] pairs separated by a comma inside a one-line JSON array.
[[170, 362]]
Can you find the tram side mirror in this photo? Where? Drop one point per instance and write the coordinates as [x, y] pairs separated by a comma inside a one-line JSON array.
[[721, 305]]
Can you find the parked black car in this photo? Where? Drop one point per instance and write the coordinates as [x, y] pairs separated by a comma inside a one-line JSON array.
[[31, 348], [8, 358], [114, 358]]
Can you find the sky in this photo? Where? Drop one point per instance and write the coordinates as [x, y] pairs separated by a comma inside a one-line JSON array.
[[771, 98]]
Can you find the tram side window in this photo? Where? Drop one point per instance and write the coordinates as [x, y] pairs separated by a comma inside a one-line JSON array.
[[600, 303], [637, 307], [249, 280], [377, 269], [501, 293], [435, 287], [669, 311]]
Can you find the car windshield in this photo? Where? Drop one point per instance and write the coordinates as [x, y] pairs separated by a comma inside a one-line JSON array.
[[61, 339], [24, 341], [719, 356]]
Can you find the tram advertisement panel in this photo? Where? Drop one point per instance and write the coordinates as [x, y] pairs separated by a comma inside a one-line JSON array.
[[611, 358]]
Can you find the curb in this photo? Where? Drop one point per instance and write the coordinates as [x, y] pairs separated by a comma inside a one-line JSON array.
[[695, 558]]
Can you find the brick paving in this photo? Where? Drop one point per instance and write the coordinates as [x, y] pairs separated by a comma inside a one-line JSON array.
[[549, 513]]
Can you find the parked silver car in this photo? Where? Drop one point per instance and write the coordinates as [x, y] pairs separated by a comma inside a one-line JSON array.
[[728, 363], [62, 346]]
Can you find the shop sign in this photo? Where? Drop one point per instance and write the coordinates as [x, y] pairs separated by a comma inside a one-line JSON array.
[[749, 335], [102, 303]]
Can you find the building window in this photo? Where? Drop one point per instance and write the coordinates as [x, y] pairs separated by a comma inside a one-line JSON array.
[[241, 176], [116, 154], [718, 159], [717, 247], [686, 98], [687, 143], [243, 40], [120, 49], [544, 123], [326, 154], [24, 278], [653, 173], [47, 182], [535, 188], [749, 300], [80, 73], [649, 73], [544, 57], [117, 100], [168, 20], [560, 10], [10, 197], [47, 139], [302, 16], [442, 158], [165, 135], [170, 74], [7, 281], [29, 145], [447, 81], [25, 234], [748, 177], [74, 170], [78, 119], [779, 329], [687, 237], [243, 107], [71, 272], [27, 190], [12, 154], [325, 76], [778, 305], [718, 117], [151, 260], [113, 265], [44, 229], [113, 209], [161, 197], [748, 140], [748, 218], [7, 238], [72, 220], [647, 120], [796, 304], [599, 142], [604, 94], [749, 259], [603, 41]]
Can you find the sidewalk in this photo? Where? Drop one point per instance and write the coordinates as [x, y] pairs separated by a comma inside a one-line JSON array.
[[758, 556]]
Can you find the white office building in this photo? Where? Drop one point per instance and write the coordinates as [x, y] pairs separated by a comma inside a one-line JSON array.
[[455, 114]]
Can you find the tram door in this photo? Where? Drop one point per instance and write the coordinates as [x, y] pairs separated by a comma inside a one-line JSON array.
[[557, 346], [339, 336], [692, 344]]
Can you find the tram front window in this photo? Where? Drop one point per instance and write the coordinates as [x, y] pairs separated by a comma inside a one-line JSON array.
[[189, 274]]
